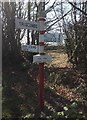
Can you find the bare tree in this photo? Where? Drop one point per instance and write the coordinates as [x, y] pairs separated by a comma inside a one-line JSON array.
[[10, 36]]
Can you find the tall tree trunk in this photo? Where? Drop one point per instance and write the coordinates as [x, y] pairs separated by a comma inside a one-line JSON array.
[[28, 38]]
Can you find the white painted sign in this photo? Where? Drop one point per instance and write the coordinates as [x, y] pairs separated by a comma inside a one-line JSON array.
[[30, 48], [41, 58], [26, 24]]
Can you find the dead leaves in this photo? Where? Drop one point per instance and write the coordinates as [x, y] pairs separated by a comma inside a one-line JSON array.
[[68, 93]]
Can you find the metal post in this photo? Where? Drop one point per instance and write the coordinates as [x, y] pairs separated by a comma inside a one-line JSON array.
[[41, 52], [41, 85]]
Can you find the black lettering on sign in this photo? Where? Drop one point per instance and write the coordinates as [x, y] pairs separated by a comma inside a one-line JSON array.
[[39, 58], [34, 25], [28, 24], [34, 47], [45, 58], [21, 23]]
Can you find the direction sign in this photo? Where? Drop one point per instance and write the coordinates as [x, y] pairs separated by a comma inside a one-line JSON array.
[[41, 58], [30, 48], [26, 24]]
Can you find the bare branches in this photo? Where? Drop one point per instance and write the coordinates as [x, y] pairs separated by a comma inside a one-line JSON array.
[[58, 20], [77, 8], [50, 8]]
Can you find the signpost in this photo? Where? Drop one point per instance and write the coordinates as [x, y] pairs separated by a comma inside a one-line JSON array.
[[30, 48], [26, 24], [40, 58]]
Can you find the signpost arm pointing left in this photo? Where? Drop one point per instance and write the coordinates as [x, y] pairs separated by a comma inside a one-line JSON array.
[[25, 24]]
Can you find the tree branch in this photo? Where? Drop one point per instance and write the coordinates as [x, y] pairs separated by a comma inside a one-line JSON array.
[[77, 8], [58, 20]]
